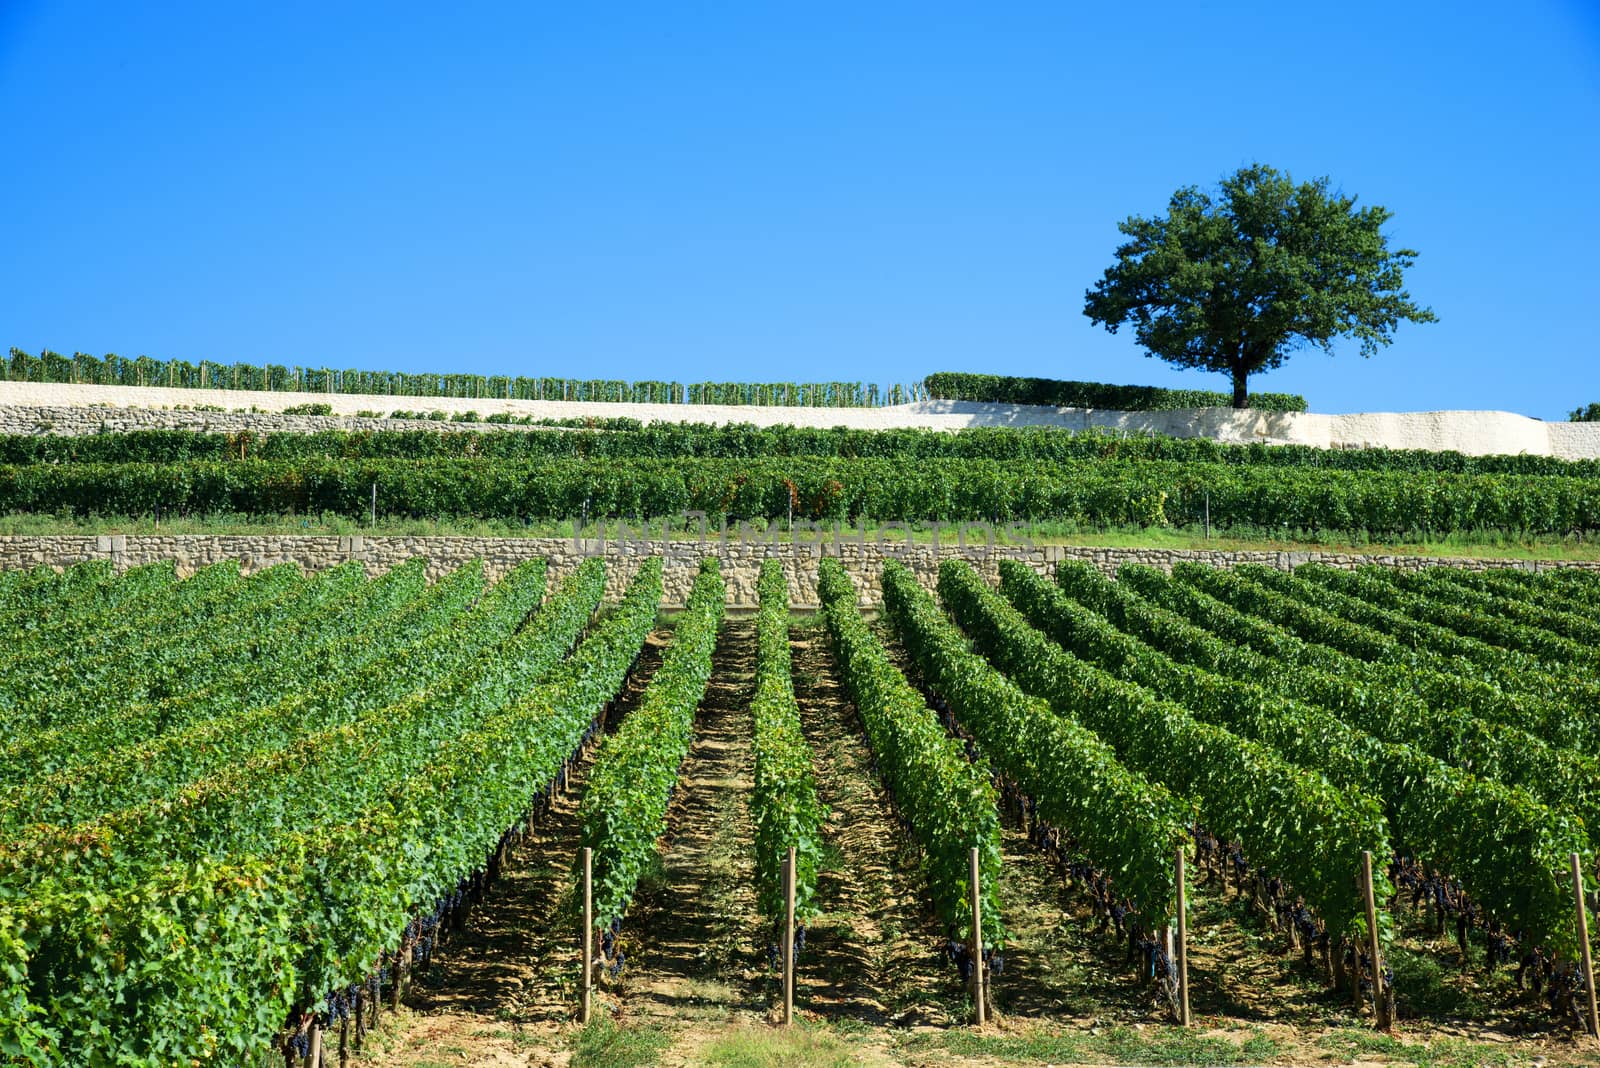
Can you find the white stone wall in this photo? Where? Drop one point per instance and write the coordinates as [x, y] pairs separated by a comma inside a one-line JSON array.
[[1475, 433], [741, 563]]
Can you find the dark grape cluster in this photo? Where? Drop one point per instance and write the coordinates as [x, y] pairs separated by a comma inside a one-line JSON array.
[[1354, 956], [340, 1006], [1444, 900], [611, 953], [774, 945], [957, 953]]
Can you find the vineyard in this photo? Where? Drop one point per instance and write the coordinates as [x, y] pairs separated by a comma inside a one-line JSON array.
[[1083, 494], [82, 368], [250, 819]]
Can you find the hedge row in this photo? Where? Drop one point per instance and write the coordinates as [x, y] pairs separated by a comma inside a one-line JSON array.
[[1108, 494], [743, 441], [1006, 389], [114, 370]]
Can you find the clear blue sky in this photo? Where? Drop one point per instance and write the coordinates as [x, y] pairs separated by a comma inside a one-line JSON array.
[[791, 192]]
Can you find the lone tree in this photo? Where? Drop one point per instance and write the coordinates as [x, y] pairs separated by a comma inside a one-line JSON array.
[[1235, 282]]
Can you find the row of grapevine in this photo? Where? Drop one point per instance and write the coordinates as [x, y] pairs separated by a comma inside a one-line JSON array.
[[1482, 647], [1117, 493], [1365, 605], [32, 593], [1072, 777], [631, 439], [37, 632], [314, 654], [106, 613], [1560, 623], [292, 639], [1545, 590], [1505, 848], [783, 801], [1448, 607], [113, 370], [1388, 702], [1327, 617], [1069, 777], [624, 807], [313, 907], [174, 651], [1291, 822], [1431, 686], [257, 791], [946, 802], [150, 767]]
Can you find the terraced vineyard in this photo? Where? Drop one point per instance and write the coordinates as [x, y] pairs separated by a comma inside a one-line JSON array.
[[250, 818], [1089, 481]]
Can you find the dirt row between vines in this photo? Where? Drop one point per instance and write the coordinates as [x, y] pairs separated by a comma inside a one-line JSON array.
[[504, 991], [873, 987]]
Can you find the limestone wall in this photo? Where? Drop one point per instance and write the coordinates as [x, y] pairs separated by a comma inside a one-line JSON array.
[[70, 421], [740, 562], [1475, 433]]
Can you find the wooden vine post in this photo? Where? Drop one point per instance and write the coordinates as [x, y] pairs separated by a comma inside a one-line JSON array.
[[1379, 1002], [1183, 945], [314, 1050], [789, 937], [976, 952], [1583, 944], [588, 934]]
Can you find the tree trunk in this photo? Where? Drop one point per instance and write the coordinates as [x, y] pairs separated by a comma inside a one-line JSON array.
[[1241, 396]]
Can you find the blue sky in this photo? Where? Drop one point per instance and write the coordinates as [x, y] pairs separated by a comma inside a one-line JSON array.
[[759, 191]]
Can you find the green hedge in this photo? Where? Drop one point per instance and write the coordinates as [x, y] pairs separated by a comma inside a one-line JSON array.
[[1090, 494], [114, 370], [1007, 389]]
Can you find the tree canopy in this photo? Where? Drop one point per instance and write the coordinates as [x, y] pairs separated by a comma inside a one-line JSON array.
[[1236, 281]]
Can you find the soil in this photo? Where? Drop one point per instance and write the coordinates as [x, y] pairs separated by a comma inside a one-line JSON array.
[[502, 988], [872, 951], [872, 986], [691, 933]]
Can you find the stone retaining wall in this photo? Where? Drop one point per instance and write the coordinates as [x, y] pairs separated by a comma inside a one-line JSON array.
[[740, 562], [1475, 433], [77, 422]]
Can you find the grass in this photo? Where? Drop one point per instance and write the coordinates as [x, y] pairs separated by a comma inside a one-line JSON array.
[[604, 1044], [1435, 989], [1468, 543], [798, 1047], [1121, 1045], [1349, 1044]]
